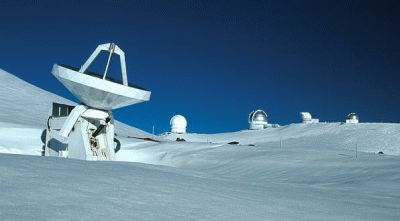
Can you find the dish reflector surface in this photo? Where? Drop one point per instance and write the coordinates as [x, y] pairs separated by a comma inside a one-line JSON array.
[[99, 91]]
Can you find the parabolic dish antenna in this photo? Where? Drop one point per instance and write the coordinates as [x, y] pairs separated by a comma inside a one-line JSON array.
[[87, 130], [99, 91]]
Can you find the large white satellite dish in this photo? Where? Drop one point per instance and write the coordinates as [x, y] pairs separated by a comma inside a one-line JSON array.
[[99, 91], [87, 130]]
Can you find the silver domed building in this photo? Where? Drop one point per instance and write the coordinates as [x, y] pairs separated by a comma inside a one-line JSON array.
[[352, 118], [178, 124], [306, 118], [258, 120]]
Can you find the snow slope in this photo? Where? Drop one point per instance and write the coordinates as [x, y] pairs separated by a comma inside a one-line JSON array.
[[208, 183], [296, 172], [368, 137]]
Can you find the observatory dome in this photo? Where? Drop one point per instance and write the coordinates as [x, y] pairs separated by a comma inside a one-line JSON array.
[[352, 118], [258, 119], [178, 124], [306, 117]]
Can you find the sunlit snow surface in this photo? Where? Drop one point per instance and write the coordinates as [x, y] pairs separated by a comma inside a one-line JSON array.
[[296, 172]]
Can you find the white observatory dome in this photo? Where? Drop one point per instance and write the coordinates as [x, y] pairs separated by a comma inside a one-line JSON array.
[[258, 119], [178, 124], [306, 117], [352, 118]]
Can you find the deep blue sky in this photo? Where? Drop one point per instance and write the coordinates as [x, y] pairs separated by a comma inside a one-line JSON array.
[[216, 61]]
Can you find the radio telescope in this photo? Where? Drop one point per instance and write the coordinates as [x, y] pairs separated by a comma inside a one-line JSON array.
[[87, 130]]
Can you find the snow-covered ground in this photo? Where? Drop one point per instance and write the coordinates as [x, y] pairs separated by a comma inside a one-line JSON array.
[[295, 172], [369, 137]]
